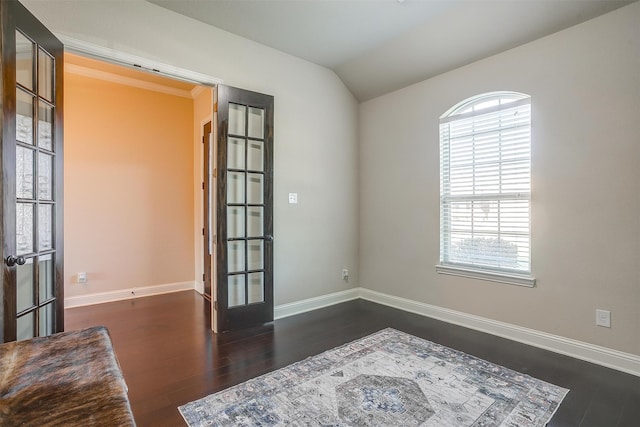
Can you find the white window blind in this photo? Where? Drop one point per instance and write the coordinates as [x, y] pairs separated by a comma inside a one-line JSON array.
[[485, 184]]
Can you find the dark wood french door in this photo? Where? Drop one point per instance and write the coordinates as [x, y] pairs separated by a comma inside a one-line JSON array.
[[32, 236], [244, 209]]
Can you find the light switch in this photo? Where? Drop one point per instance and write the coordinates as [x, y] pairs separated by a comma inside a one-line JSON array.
[[293, 198]]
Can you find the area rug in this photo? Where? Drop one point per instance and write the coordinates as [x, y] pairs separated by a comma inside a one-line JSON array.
[[389, 378]]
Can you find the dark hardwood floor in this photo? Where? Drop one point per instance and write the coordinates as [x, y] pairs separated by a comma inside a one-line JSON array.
[[169, 356]]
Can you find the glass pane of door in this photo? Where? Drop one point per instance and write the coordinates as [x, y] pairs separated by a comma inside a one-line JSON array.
[[45, 227], [24, 228], [255, 254], [24, 60], [46, 268], [256, 123], [25, 286], [47, 319], [45, 126], [255, 221], [45, 176], [256, 287], [235, 221], [46, 79], [235, 153], [24, 117], [237, 114], [25, 326], [236, 290], [24, 172], [255, 156], [236, 256], [235, 187]]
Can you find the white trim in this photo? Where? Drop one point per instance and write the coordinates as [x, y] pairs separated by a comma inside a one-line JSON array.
[[621, 361], [128, 81], [114, 56], [302, 306], [451, 115], [512, 279], [125, 294]]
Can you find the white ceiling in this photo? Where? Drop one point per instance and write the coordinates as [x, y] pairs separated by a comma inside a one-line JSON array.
[[376, 46]]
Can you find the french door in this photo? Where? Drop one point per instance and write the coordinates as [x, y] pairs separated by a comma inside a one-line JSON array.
[[32, 235], [244, 209]]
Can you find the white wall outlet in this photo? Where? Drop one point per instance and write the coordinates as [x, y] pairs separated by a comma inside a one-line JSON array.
[[345, 274], [603, 318], [82, 277], [293, 198]]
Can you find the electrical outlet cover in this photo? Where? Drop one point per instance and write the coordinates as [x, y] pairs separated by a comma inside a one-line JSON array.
[[603, 318]]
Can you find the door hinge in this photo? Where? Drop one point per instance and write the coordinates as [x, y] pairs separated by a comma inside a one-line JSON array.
[[215, 107], [215, 305], [203, 278], [203, 231], [215, 172], [203, 185]]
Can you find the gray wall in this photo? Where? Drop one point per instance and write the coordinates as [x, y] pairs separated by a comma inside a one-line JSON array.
[[315, 128], [584, 84]]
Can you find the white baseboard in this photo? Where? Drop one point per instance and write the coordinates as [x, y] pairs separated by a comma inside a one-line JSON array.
[[199, 287], [614, 359], [290, 309], [621, 361], [81, 300]]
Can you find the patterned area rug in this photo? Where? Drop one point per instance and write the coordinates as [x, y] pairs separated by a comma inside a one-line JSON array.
[[386, 379]]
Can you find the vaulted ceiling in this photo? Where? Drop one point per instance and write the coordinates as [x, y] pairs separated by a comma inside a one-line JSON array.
[[377, 46]]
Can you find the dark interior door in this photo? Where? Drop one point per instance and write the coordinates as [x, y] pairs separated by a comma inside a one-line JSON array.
[[206, 203], [32, 236], [244, 209]]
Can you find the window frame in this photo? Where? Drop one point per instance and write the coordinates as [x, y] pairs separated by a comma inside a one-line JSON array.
[[466, 110]]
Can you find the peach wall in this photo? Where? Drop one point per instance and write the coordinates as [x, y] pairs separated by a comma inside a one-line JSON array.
[[129, 212]]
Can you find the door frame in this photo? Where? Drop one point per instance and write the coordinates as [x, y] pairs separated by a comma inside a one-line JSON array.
[[114, 56]]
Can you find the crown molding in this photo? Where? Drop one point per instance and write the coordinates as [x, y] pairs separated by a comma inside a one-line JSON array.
[[123, 80], [113, 56], [197, 91]]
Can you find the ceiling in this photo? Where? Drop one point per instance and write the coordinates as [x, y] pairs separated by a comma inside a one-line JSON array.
[[377, 46]]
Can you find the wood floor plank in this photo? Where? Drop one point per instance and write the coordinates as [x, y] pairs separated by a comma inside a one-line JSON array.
[[170, 357]]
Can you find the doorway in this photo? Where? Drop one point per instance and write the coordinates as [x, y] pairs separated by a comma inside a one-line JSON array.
[[234, 189], [134, 206]]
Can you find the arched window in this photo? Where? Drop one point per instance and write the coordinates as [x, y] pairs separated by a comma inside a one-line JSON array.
[[485, 188]]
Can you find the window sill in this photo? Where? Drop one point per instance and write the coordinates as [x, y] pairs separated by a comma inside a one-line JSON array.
[[511, 279]]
